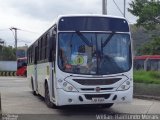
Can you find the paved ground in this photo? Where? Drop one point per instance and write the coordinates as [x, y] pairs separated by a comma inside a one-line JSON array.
[[18, 99]]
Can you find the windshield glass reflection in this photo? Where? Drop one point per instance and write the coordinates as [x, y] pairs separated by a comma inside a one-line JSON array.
[[94, 53]]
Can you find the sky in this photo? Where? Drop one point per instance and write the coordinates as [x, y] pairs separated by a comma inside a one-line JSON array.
[[34, 17]]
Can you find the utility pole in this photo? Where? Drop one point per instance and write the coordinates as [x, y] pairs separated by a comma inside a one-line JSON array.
[[15, 36], [124, 8], [104, 7]]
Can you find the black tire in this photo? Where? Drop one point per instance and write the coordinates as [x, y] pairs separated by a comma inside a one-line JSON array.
[[109, 105], [33, 92], [47, 97]]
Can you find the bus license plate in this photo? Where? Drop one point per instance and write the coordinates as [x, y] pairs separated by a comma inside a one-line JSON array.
[[98, 100]]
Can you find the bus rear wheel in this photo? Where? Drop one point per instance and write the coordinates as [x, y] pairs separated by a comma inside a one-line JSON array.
[[47, 97]]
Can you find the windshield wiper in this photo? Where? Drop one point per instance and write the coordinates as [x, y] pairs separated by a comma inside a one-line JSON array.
[[107, 40], [84, 38]]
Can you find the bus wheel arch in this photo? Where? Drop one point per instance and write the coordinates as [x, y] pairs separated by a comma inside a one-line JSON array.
[[47, 95], [32, 86]]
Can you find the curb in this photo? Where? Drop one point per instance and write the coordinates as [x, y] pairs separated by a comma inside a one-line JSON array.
[[147, 97], [146, 91], [7, 73]]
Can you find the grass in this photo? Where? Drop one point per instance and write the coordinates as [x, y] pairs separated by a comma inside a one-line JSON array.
[[150, 77]]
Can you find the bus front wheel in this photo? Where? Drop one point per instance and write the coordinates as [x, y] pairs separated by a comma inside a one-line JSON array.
[[47, 97]]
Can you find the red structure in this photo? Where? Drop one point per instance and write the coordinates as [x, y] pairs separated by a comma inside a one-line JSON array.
[[144, 57], [21, 66], [147, 62]]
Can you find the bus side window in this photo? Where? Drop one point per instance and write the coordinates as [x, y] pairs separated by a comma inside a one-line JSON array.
[[52, 44], [36, 55], [52, 48], [38, 51], [54, 38]]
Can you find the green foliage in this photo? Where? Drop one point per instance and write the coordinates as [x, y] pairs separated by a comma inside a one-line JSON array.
[[7, 53], [147, 12], [151, 48], [141, 36], [151, 77]]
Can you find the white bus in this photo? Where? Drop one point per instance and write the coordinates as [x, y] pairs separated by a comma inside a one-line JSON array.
[[83, 60]]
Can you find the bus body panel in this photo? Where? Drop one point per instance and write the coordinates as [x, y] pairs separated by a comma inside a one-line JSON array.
[[122, 97], [43, 73], [125, 96], [31, 76]]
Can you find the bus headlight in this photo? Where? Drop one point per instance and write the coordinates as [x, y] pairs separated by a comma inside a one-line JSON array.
[[124, 86], [68, 87]]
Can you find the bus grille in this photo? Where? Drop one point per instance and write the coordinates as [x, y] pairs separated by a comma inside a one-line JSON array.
[[89, 96], [93, 89], [97, 81]]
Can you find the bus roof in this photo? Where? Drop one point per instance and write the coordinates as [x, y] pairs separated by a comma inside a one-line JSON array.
[[92, 23], [89, 15]]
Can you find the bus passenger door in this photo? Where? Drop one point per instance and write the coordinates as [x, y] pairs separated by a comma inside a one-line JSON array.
[[52, 63]]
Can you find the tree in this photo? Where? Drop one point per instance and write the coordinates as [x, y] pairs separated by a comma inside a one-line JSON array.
[[147, 11], [151, 48], [7, 53]]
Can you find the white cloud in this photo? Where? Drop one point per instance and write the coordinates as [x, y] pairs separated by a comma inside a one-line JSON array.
[[37, 15]]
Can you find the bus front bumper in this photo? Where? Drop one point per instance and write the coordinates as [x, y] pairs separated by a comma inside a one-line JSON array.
[[77, 98]]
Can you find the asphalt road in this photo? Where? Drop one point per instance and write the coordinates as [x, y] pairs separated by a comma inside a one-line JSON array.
[[18, 102]]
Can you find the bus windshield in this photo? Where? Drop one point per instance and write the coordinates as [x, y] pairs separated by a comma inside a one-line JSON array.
[[94, 53]]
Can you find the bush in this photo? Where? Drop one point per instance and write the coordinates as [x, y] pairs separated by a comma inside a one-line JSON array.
[[151, 77]]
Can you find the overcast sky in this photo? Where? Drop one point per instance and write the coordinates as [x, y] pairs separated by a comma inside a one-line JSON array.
[[35, 16]]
